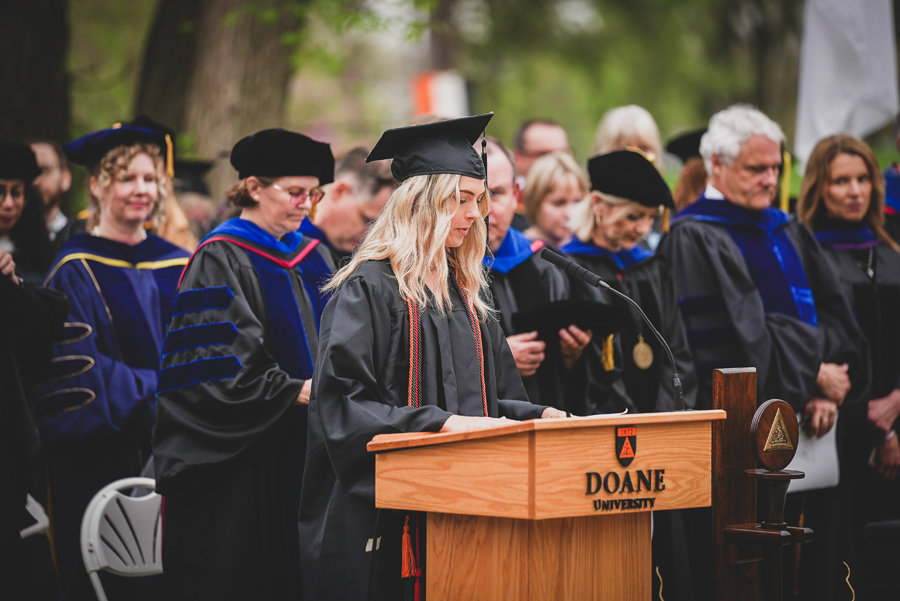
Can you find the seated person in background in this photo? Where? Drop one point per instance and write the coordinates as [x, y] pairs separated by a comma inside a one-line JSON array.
[[96, 414], [554, 185], [23, 233], [408, 344], [626, 195], [842, 201], [756, 290], [565, 377], [350, 204]]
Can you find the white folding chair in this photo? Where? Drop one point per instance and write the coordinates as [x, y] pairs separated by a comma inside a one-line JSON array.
[[121, 534]]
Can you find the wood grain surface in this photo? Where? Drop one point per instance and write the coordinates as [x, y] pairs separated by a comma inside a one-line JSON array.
[[587, 558]]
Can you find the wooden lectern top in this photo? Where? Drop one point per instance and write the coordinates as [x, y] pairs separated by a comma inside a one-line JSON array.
[[557, 468]]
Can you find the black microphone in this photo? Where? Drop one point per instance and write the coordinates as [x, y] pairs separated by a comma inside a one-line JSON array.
[[577, 271]]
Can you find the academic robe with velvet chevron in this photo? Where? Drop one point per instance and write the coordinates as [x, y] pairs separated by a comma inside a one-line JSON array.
[[96, 413], [360, 389], [230, 443]]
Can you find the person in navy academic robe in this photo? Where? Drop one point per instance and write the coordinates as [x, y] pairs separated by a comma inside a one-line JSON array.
[[408, 344], [842, 201], [96, 413], [566, 371], [756, 290], [234, 381]]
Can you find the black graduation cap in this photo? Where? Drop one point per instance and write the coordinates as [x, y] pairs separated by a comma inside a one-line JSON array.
[[549, 319], [628, 174], [190, 176], [686, 146], [279, 153], [434, 148], [90, 149], [17, 161]]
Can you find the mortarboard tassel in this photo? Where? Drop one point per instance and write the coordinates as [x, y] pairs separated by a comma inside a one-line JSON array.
[[408, 568], [609, 357], [664, 221], [170, 157], [786, 182]]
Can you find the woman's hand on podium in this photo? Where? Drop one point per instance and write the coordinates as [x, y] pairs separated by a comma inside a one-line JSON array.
[[551, 413], [461, 423]]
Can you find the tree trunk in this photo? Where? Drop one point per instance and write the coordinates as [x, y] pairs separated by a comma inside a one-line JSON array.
[[223, 75], [34, 100]]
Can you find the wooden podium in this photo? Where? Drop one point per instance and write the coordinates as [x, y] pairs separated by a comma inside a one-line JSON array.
[[546, 509]]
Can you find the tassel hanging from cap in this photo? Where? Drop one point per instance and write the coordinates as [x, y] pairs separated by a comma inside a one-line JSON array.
[[408, 567], [170, 157], [609, 357], [664, 220], [786, 182]]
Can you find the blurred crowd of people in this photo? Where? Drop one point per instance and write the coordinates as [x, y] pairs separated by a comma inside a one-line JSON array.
[[165, 331]]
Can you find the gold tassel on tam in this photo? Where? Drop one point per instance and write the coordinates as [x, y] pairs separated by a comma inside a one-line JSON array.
[[609, 357], [170, 157], [786, 183], [664, 220], [408, 568]]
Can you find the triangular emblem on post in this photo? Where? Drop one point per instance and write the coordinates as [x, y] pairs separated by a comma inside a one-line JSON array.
[[627, 451], [779, 439]]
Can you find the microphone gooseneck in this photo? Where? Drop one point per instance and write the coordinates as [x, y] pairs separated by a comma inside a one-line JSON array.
[[577, 271]]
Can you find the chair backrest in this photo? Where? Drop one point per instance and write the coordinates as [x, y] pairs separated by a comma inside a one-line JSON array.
[[123, 534]]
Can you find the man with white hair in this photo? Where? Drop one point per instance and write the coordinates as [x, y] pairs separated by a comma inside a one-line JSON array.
[[754, 287]]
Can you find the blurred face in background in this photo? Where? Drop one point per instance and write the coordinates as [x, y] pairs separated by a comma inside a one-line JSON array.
[[553, 216], [12, 201], [539, 139], [634, 142], [751, 180], [54, 180], [849, 190], [620, 227], [503, 198]]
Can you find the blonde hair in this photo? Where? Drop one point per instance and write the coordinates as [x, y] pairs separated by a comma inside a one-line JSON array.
[[551, 171], [411, 231], [583, 222], [627, 121], [114, 165]]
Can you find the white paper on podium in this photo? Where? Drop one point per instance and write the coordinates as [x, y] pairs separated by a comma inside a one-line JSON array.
[[818, 459]]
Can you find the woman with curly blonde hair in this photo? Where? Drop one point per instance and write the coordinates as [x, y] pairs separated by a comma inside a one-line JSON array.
[[96, 414], [407, 344]]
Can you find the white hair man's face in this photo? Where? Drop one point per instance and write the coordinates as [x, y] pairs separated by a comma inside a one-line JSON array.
[[751, 180]]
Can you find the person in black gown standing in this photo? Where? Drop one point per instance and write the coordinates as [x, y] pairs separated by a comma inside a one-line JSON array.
[[409, 343]]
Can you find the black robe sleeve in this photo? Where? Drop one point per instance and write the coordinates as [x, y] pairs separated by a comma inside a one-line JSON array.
[[348, 404], [220, 396], [727, 324]]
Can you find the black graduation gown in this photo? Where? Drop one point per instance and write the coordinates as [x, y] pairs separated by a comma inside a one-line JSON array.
[[581, 390], [728, 326], [31, 320], [876, 303], [359, 391], [229, 444], [649, 283]]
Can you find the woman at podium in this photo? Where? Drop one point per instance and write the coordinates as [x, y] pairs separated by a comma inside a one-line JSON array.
[[408, 343]]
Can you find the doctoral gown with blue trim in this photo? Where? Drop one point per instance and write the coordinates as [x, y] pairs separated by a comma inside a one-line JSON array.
[[96, 413], [230, 442]]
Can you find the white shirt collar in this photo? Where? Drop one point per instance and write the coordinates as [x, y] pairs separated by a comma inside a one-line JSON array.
[[713, 193]]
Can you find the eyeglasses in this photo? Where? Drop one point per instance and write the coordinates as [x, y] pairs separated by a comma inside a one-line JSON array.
[[314, 195], [17, 193]]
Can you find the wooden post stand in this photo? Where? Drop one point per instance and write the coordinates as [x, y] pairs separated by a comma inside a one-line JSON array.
[[547, 509]]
